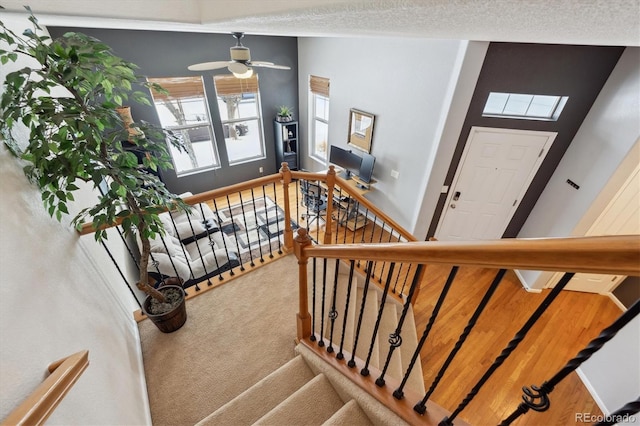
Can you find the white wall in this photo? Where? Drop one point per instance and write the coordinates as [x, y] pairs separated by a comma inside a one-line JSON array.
[[606, 136], [60, 294], [405, 83]]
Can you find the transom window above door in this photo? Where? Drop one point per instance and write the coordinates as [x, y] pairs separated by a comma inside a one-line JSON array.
[[523, 106]]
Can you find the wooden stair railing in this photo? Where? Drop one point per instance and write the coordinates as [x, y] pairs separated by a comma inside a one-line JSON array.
[[48, 395], [599, 255]]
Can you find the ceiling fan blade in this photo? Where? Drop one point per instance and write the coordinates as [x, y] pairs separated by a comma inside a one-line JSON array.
[[238, 67], [264, 64], [204, 66]]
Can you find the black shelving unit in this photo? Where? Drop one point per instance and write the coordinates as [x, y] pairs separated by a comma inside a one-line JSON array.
[[286, 139]]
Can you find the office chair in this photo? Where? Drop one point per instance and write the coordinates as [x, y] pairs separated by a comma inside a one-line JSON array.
[[314, 198]]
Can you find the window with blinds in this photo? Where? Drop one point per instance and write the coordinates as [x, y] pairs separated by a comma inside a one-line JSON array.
[[239, 107], [184, 111], [319, 118]]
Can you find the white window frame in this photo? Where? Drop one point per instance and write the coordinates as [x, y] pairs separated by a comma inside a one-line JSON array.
[[553, 115], [313, 119]]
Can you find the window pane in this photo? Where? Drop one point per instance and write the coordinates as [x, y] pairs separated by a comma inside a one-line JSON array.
[[322, 107], [184, 110], [524, 107], [239, 106], [517, 104], [243, 141], [321, 137], [200, 153], [495, 103], [542, 106]]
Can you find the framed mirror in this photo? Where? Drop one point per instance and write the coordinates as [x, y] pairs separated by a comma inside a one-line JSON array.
[[360, 129]]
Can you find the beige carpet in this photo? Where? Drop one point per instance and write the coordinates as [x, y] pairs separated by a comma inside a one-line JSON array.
[[195, 370]]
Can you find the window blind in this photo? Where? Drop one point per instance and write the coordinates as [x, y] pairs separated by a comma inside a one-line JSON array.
[[229, 85], [178, 88], [319, 85]]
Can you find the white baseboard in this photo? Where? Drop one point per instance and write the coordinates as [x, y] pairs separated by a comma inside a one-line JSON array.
[[524, 283], [615, 300], [592, 391]]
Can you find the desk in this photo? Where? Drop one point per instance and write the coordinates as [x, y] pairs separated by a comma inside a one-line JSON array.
[[348, 212]]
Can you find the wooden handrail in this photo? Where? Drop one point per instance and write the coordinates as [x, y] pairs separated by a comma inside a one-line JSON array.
[[41, 403], [600, 255], [87, 228]]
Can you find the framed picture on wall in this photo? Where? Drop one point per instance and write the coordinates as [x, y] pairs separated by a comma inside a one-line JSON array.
[[360, 129]]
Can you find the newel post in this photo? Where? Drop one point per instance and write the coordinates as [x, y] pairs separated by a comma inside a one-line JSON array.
[[331, 183], [303, 318], [288, 231]]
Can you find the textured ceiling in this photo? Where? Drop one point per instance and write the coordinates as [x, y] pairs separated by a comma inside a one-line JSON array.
[[594, 22]]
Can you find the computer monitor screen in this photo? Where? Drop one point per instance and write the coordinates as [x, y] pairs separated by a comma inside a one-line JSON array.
[[366, 167], [346, 160]]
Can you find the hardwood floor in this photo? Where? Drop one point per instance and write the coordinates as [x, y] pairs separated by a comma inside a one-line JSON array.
[[565, 328]]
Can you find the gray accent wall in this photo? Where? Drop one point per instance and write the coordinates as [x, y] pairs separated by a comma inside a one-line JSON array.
[[167, 54]]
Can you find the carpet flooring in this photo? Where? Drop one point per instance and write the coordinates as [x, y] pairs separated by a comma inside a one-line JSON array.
[[235, 335]]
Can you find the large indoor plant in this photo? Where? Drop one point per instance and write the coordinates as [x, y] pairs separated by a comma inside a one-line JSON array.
[[78, 135]]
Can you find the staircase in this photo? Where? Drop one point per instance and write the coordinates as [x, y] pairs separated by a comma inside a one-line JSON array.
[[307, 390]]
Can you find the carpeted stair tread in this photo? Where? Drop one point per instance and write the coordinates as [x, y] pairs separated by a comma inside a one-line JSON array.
[[312, 404], [350, 414], [259, 399]]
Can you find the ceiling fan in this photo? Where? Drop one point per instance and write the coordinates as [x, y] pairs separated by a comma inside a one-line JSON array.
[[240, 64]]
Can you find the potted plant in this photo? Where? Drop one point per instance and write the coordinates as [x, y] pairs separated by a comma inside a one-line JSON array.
[[79, 136], [284, 114]]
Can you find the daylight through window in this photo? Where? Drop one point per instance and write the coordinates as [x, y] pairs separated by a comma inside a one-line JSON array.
[[239, 106], [524, 107], [184, 111], [319, 118]]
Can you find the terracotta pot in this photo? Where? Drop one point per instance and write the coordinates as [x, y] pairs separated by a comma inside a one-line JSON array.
[[172, 320]]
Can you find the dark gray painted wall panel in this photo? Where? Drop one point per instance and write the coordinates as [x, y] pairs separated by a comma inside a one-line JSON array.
[[167, 54], [575, 71], [628, 292]]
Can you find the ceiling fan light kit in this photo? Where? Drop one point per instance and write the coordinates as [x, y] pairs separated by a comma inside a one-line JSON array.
[[240, 64]]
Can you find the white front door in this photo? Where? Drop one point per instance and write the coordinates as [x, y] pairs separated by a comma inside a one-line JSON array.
[[494, 173], [620, 217]]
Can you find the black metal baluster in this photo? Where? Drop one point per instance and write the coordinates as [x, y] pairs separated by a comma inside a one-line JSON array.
[[395, 339], [317, 216], [333, 313], [427, 329], [339, 209], [395, 285], [224, 240], [406, 278], [204, 266], [166, 249], [365, 370], [365, 288], [421, 407], [511, 346], [246, 231], [297, 203], [235, 234], [384, 264], [324, 288], [255, 214], [124, 241], [313, 302], [537, 398], [212, 244], [340, 355], [120, 272], [376, 262], [266, 213], [184, 251], [621, 414], [364, 229], [275, 200]]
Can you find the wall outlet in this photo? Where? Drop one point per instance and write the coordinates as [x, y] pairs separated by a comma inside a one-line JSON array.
[[395, 174], [261, 169]]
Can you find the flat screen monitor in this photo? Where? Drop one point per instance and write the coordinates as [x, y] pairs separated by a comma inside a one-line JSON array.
[[346, 160], [366, 167]]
